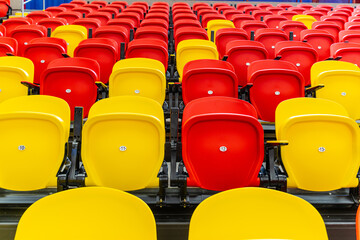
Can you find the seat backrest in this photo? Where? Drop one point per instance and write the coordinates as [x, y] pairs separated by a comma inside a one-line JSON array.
[[24, 34], [40, 149], [214, 25], [72, 34], [8, 45], [12, 23], [97, 213], [225, 35], [306, 19], [52, 23], [70, 16], [221, 215], [132, 158]]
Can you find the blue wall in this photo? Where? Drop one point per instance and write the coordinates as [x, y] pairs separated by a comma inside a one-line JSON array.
[[38, 4]]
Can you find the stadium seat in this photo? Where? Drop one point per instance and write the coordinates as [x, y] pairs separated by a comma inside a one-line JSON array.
[[269, 37], [122, 22], [252, 26], [208, 77], [52, 23], [352, 36], [193, 49], [230, 13], [187, 33], [345, 92], [272, 82], [155, 23], [325, 6], [220, 216], [234, 149], [13, 23], [41, 51], [322, 10], [8, 46], [78, 2], [339, 14], [273, 21], [306, 19], [35, 130], [284, 5], [239, 18], [68, 6], [185, 23], [72, 34], [13, 71], [215, 25], [306, 6], [72, 79], [241, 53], [352, 26], [274, 10], [89, 23], [327, 134], [301, 54], [292, 26], [152, 33], [5, 9], [55, 10], [163, 16], [154, 49], [260, 14], [111, 10], [226, 35], [24, 34], [251, 9], [94, 7], [142, 77], [338, 20], [138, 11], [298, 10], [133, 16], [70, 16], [96, 212], [209, 17], [347, 52], [184, 16], [117, 33], [36, 16], [132, 158], [288, 14], [83, 10], [104, 17], [104, 51], [101, 3], [328, 26], [242, 5], [263, 6], [316, 14], [321, 41]]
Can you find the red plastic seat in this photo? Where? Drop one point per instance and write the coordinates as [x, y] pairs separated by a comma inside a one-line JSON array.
[[111, 10], [328, 26], [184, 16], [122, 22], [288, 14], [133, 16], [186, 33], [284, 5], [321, 41], [269, 37], [124, 4], [226, 35], [354, 19], [301, 54], [241, 6], [145, 5], [343, 10], [159, 10], [186, 23], [117, 33], [83, 10], [154, 49], [4, 8], [338, 20], [263, 6], [219, 4], [221, 9], [208, 17], [260, 14], [70, 16], [351, 8], [306, 6], [55, 10], [239, 18], [349, 52], [273, 21], [23, 35], [72, 79], [202, 12], [155, 23], [292, 26], [252, 26], [230, 13], [182, 11], [36, 16], [8, 45], [274, 10], [316, 14], [251, 9], [320, 9], [101, 3], [138, 11], [52, 23], [41, 51], [2, 31], [352, 36], [119, 7], [241, 53], [339, 14], [78, 2], [104, 51], [153, 33], [327, 7], [352, 26], [94, 7], [92, 23], [162, 16], [13, 23], [273, 82], [104, 17], [298, 10], [222, 143], [68, 6], [207, 78]]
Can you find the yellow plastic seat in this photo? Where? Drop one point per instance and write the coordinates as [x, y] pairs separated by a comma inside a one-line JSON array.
[[93, 213], [34, 132], [305, 19], [341, 81], [323, 144], [214, 25], [194, 49], [14, 70], [72, 34], [123, 142], [256, 213], [138, 77]]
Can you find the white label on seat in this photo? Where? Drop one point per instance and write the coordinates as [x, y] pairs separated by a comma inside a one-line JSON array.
[[137, 91], [210, 92], [319, 47], [21, 147], [298, 64], [321, 149], [122, 148], [247, 64], [223, 149], [42, 61], [272, 46], [343, 94], [277, 93], [68, 90], [25, 43]]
